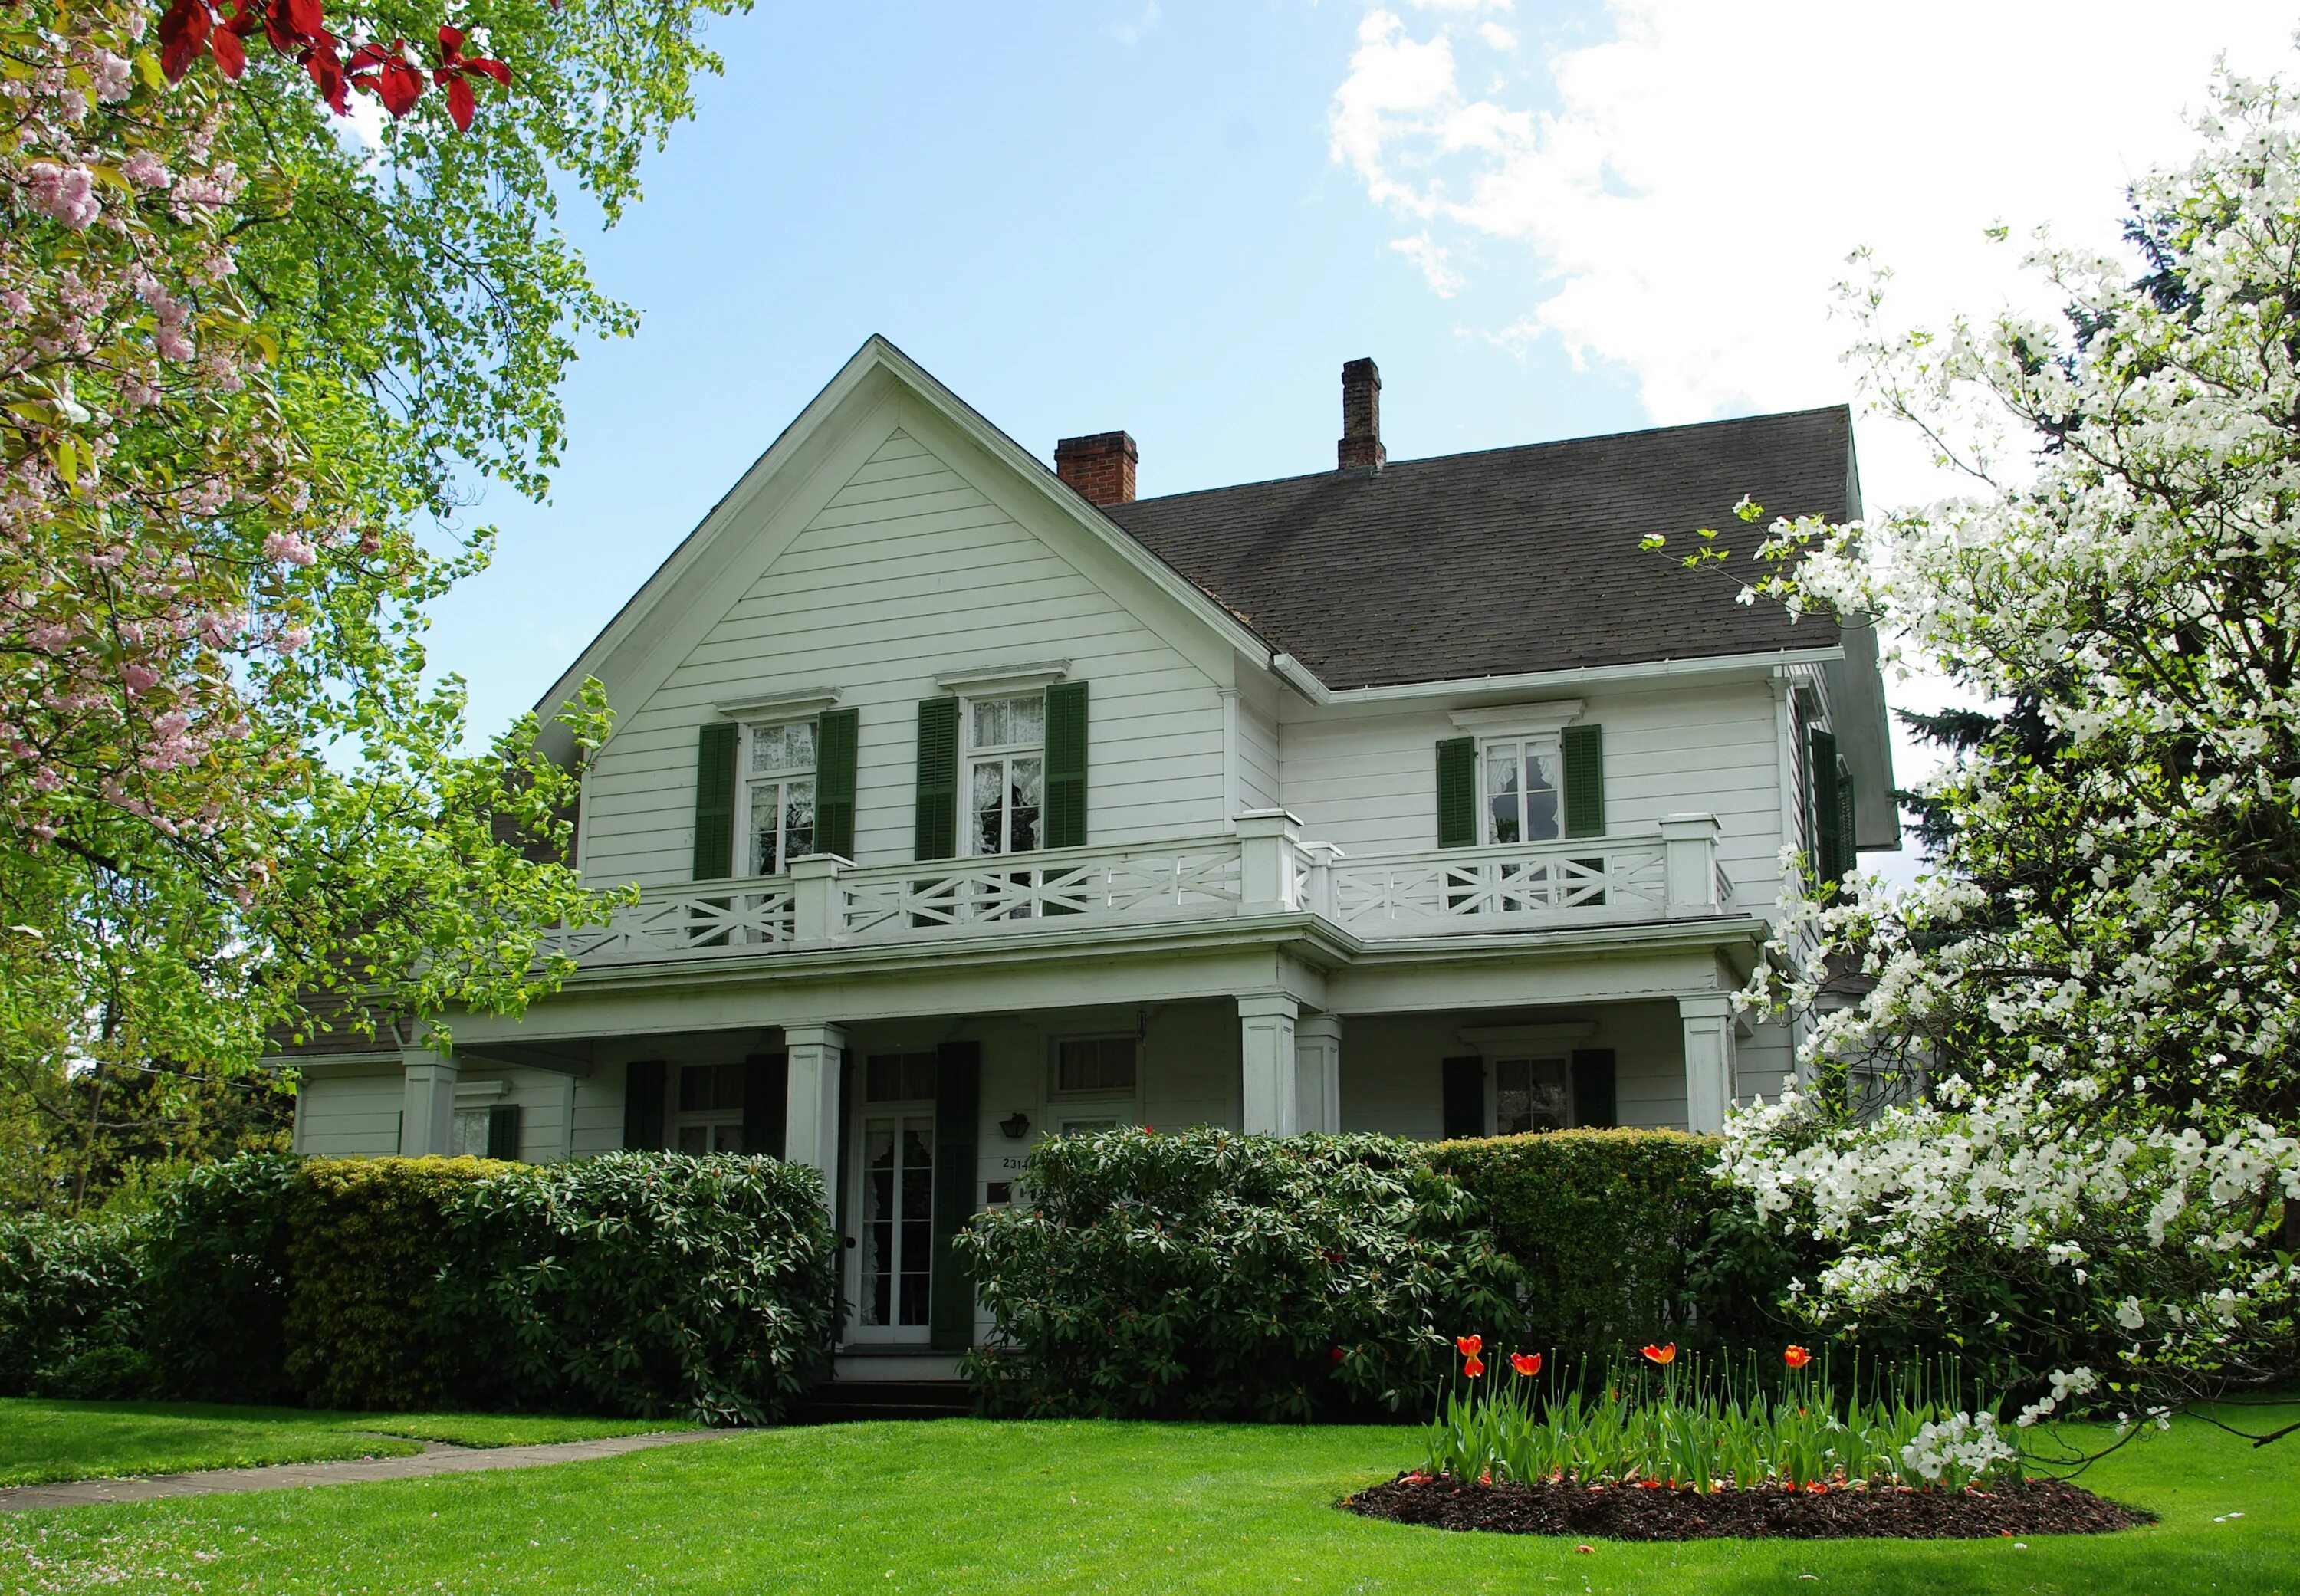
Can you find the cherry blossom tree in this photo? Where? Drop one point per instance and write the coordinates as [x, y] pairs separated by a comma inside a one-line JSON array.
[[2058, 1121], [255, 365]]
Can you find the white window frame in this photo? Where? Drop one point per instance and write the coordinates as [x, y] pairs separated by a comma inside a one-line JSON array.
[[1520, 740], [749, 779], [1098, 1103], [1543, 723], [973, 754]]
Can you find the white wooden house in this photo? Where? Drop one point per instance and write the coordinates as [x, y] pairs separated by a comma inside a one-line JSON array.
[[973, 802]]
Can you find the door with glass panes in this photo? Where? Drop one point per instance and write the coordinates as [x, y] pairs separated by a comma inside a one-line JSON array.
[[893, 1201]]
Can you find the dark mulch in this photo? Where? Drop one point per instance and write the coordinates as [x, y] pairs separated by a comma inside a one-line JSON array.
[[1641, 1513]]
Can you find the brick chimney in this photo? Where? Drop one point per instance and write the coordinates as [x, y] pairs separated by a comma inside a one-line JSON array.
[[1101, 467], [1360, 449]]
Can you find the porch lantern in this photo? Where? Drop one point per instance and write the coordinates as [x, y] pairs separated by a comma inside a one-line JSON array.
[[1016, 1124]]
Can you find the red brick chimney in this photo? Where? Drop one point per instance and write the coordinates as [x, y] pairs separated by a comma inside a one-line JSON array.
[[1100, 467], [1360, 449]]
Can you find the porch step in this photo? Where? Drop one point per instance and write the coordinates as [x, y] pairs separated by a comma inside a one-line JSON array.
[[849, 1401]]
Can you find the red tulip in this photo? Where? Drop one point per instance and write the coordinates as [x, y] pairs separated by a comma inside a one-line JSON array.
[[1469, 1346], [1475, 1366], [1797, 1358], [1525, 1363], [1663, 1356]]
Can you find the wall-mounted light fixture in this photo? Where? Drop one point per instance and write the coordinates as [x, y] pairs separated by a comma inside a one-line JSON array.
[[1016, 1124]]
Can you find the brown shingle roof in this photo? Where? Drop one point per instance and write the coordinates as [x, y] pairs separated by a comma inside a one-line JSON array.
[[1510, 560]]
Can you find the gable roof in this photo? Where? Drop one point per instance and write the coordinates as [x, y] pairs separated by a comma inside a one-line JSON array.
[[1512, 561]]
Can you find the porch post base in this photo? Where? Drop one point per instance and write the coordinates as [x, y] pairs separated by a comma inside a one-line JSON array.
[[427, 1121]]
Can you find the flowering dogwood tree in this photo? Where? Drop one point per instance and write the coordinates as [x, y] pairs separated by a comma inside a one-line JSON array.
[[254, 364], [2061, 1124]]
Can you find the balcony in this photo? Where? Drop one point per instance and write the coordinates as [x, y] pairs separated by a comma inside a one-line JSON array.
[[1263, 869]]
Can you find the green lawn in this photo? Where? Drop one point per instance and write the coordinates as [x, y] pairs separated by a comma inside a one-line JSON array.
[[42, 1440], [969, 1505]]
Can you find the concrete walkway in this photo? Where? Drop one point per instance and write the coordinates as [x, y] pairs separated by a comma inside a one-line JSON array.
[[436, 1458]]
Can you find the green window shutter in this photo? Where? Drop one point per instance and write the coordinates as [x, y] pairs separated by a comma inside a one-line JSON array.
[[1584, 751], [1594, 1076], [766, 1102], [834, 735], [1066, 765], [937, 836], [1827, 812], [714, 802], [1457, 793], [1465, 1098], [958, 1108], [645, 1084], [503, 1132], [1849, 837]]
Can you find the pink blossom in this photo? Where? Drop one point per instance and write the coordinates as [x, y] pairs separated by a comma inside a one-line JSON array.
[[66, 193], [112, 75], [145, 170], [294, 638], [140, 679], [288, 547]]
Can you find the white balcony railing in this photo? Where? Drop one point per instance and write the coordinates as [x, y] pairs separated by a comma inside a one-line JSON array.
[[1263, 869]]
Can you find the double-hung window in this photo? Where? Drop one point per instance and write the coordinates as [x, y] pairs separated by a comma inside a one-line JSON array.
[[709, 1117], [1530, 1094], [1524, 790], [1096, 1084], [779, 794], [1006, 773]]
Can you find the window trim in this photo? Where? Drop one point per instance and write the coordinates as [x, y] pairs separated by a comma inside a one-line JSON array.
[[1556, 747], [747, 779], [1493, 1062], [677, 1119]]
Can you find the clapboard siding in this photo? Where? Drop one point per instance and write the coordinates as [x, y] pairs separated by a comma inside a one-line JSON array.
[[1259, 786], [1366, 783], [349, 1116], [907, 571]]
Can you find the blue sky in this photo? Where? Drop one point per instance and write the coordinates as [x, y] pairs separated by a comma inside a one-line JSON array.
[[1076, 233], [1180, 218]]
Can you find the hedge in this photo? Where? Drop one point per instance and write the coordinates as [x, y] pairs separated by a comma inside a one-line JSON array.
[[71, 1300], [1211, 1275], [1624, 1239], [640, 1284]]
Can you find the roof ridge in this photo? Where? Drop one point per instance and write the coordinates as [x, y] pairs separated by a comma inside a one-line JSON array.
[[1554, 443]]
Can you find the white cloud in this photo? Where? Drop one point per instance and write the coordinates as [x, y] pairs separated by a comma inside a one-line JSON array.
[[1687, 188], [1497, 36], [1129, 34], [1431, 257]]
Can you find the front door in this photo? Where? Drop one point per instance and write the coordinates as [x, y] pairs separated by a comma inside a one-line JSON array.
[[894, 1206]]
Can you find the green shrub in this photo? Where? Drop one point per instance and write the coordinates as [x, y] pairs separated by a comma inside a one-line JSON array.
[[71, 1306], [367, 1240], [648, 1284], [216, 1291], [1214, 1275], [1623, 1238]]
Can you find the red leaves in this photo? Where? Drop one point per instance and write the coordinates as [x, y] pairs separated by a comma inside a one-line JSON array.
[[184, 31], [188, 31]]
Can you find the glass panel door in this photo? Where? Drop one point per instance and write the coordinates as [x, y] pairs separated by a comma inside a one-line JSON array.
[[897, 1231]]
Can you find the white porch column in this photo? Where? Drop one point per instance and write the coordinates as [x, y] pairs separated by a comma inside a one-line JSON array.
[[427, 1116], [815, 917], [1708, 1022], [811, 1122], [1318, 1072], [1265, 1023]]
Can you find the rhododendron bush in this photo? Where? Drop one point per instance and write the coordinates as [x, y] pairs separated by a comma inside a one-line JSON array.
[[258, 356], [2063, 1122]]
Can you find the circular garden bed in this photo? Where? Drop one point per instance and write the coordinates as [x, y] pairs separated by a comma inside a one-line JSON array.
[[1631, 1512]]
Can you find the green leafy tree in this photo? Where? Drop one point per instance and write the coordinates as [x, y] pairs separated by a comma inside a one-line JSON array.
[[253, 365]]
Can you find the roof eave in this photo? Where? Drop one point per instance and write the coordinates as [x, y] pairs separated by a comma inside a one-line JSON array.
[[1715, 667]]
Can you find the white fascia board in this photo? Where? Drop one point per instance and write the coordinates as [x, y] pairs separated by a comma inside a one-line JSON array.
[[1528, 684]]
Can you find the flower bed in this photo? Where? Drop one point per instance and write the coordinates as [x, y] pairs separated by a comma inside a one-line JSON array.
[[1639, 1513], [1670, 1450]]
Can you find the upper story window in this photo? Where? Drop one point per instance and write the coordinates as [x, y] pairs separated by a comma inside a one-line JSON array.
[[1524, 779], [779, 794], [1005, 781]]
